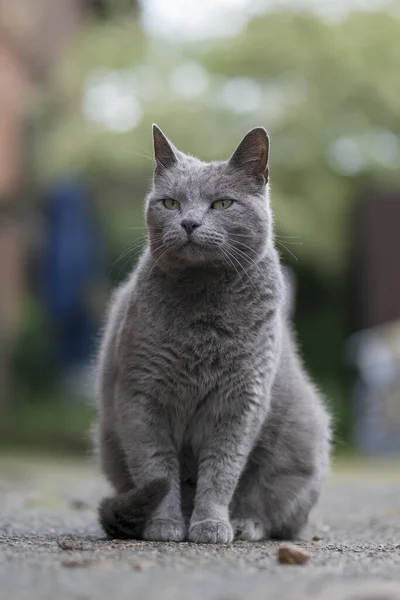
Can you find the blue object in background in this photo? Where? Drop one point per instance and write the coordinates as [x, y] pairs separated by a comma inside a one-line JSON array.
[[73, 264]]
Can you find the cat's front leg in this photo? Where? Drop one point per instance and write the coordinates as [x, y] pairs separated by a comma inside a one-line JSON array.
[[222, 457], [147, 440]]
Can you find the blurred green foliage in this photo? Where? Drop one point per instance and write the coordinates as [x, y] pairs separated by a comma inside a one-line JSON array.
[[316, 83], [328, 93]]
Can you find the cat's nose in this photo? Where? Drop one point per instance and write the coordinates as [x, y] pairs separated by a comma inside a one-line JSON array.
[[189, 225]]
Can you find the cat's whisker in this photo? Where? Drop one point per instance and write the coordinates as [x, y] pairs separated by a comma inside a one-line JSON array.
[[222, 257], [289, 237], [254, 252], [157, 260], [286, 248], [232, 250], [164, 245], [244, 255], [291, 243], [287, 241], [132, 152], [130, 250], [226, 254], [276, 237], [250, 249], [133, 248]]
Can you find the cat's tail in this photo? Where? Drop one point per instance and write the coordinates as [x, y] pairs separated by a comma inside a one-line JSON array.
[[124, 516]]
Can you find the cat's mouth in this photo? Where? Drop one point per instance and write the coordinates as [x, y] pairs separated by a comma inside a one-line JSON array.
[[190, 242], [193, 251]]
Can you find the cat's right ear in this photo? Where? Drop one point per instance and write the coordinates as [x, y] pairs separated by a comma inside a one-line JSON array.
[[164, 152]]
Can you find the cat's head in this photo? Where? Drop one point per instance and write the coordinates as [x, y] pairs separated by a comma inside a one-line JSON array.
[[209, 214]]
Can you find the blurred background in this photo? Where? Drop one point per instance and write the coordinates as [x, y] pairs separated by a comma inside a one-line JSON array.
[[81, 81]]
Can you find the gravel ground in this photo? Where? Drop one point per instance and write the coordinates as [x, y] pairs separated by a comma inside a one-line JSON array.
[[51, 546]]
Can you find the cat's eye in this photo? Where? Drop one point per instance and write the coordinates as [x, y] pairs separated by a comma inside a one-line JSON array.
[[171, 204], [222, 204]]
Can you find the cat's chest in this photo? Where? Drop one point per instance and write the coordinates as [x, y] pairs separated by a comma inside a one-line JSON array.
[[205, 328], [185, 345], [202, 340], [189, 349]]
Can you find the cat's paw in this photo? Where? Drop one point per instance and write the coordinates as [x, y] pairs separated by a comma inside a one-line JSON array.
[[165, 530], [211, 532], [248, 529]]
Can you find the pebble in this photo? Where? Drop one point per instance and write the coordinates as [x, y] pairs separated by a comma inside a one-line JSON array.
[[290, 554]]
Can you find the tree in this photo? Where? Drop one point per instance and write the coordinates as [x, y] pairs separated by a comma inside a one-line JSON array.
[[327, 92]]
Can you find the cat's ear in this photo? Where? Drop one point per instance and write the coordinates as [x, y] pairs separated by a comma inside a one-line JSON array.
[[252, 153], [164, 152]]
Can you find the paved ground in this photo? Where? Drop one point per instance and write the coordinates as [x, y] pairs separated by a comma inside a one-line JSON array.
[[51, 546]]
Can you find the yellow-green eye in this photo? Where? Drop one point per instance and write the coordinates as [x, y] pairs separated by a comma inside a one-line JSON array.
[[222, 204], [171, 204]]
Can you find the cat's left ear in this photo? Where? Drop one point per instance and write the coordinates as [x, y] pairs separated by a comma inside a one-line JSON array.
[[252, 153]]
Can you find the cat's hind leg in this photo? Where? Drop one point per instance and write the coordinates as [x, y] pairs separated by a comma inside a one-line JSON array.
[[273, 505], [289, 500]]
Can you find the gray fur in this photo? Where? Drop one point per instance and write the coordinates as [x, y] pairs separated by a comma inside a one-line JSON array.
[[199, 378]]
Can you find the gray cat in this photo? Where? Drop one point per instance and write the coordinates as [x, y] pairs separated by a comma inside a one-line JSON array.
[[209, 427]]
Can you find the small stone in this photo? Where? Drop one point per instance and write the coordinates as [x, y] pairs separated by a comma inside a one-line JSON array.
[[71, 544], [289, 554], [65, 544]]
